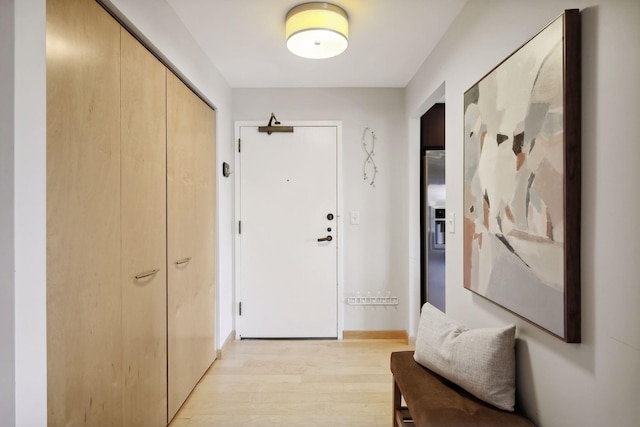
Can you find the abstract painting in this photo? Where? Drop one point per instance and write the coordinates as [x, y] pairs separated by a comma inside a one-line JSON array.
[[522, 181]]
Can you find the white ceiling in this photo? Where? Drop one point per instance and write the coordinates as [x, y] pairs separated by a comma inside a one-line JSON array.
[[388, 41]]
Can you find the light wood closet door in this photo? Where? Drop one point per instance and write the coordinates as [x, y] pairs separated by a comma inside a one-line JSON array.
[[190, 292], [84, 366], [204, 299], [144, 226]]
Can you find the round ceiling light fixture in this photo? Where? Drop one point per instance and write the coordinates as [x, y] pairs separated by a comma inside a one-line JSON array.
[[317, 30]]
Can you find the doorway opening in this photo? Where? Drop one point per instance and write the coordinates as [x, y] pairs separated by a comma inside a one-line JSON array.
[[432, 207]]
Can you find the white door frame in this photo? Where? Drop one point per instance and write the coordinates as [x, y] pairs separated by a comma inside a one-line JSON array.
[[339, 216]]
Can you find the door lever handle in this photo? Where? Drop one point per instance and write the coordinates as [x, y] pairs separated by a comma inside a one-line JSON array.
[[325, 239]]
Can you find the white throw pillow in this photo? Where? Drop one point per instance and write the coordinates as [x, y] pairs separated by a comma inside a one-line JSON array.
[[482, 361]]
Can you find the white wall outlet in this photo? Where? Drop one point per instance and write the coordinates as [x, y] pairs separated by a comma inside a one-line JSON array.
[[355, 217], [451, 222]]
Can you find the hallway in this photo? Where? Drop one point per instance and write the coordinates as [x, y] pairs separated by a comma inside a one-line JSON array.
[[311, 383]]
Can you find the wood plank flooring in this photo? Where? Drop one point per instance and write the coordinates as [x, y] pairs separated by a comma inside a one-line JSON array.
[[284, 383]]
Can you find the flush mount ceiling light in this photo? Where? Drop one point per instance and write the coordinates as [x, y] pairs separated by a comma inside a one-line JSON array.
[[317, 30]]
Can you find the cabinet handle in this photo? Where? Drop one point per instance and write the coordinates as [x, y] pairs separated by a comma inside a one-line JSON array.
[[146, 274], [183, 261]]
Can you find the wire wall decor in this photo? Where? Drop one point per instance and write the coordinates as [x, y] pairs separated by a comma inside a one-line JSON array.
[[369, 137]]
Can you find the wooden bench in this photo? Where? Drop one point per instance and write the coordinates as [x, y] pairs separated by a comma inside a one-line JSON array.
[[432, 400]]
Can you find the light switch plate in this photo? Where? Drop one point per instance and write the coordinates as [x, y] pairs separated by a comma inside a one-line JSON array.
[[355, 217]]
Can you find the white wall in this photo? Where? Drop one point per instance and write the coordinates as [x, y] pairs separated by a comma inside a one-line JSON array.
[[595, 383], [158, 25], [30, 213], [7, 311], [374, 251]]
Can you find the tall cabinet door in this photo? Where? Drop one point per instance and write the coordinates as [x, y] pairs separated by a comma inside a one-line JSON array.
[[206, 224], [144, 300], [190, 300], [84, 350]]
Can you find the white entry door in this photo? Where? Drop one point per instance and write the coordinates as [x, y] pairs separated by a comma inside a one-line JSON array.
[[288, 240]]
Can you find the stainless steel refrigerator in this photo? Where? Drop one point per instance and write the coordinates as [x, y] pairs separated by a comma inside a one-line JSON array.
[[435, 235]]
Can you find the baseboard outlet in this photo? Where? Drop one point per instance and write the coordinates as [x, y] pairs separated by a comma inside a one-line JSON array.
[[375, 335], [231, 337]]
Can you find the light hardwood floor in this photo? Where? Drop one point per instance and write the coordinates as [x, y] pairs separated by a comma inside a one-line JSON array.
[[301, 383]]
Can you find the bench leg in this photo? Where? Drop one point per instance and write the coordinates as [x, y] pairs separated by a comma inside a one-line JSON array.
[[401, 415], [397, 401]]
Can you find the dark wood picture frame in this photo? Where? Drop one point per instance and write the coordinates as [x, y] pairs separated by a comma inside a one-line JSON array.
[[522, 184]]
